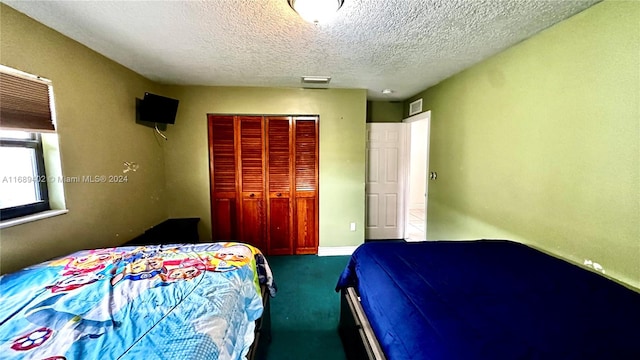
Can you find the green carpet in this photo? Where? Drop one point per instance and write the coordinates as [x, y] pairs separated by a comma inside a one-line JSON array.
[[305, 312]]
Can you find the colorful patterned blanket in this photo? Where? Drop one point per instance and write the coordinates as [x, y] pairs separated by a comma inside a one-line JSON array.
[[196, 301]]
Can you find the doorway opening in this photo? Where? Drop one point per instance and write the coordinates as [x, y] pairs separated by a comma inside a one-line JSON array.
[[397, 163], [417, 180]]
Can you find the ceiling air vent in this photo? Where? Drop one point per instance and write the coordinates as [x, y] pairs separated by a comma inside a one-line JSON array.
[[415, 107], [315, 82]]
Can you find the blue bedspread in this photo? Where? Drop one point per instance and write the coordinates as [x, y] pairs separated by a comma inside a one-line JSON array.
[[156, 302], [491, 300]]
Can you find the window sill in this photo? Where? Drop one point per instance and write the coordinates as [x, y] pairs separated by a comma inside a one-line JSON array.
[[29, 218]]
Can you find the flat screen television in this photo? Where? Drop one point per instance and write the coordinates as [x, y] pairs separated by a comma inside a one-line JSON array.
[[158, 109]]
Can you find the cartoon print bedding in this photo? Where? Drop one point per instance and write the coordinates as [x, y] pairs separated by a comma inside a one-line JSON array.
[[196, 301]]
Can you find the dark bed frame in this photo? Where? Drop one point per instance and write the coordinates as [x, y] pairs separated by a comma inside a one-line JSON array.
[[262, 333], [358, 339]]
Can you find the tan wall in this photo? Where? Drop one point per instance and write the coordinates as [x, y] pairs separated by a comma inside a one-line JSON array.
[[95, 100], [342, 142]]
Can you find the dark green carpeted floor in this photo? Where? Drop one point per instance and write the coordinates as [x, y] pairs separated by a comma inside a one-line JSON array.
[[305, 312]]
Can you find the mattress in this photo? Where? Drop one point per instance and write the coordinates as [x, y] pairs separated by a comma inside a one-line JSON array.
[[177, 301], [490, 299]]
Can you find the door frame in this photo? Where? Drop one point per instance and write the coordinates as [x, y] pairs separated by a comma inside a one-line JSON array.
[[407, 166]]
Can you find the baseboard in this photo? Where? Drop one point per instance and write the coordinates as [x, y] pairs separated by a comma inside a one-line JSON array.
[[336, 250]]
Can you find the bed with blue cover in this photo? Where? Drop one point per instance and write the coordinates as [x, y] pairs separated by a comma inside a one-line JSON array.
[[487, 299], [182, 301]]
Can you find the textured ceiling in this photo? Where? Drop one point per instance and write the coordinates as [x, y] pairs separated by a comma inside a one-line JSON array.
[[404, 45]]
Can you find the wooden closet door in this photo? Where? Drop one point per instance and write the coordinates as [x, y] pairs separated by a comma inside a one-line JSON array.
[[306, 184], [250, 136], [279, 180], [223, 177]]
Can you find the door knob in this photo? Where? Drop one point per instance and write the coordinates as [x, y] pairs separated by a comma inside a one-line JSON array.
[[279, 194], [433, 175], [252, 195]]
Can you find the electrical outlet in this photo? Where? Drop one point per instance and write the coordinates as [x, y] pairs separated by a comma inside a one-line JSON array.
[[353, 226]]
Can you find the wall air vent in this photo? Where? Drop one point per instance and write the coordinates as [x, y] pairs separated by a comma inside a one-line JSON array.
[[415, 107]]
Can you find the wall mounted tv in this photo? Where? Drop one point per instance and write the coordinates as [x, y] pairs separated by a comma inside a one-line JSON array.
[[158, 109]]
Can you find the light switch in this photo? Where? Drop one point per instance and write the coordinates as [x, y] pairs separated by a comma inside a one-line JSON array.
[[353, 226]]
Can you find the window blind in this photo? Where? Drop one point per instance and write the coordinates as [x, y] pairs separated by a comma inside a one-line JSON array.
[[25, 103]]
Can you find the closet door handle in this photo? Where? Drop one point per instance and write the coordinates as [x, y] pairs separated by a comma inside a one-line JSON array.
[[279, 194], [252, 195]]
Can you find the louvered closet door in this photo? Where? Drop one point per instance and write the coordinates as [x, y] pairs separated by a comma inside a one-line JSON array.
[[222, 164], [306, 184], [252, 183], [279, 179]]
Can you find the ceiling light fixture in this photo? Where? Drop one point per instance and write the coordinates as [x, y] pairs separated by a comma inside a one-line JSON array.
[[387, 91], [316, 11]]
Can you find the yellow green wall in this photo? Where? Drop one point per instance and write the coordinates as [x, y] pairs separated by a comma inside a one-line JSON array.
[[384, 111], [342, 143], [538, 144], [541, 143], [95, 100]]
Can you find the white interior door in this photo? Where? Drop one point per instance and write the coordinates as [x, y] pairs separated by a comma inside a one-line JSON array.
[[385, 218]]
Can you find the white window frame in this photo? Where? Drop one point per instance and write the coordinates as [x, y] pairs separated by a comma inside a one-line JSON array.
[[49, 167]]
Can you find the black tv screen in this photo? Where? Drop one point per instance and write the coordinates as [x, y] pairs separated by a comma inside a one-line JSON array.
[[158, 109]]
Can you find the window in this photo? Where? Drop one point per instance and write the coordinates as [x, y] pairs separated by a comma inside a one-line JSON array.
[[22, 175], [26, 113]]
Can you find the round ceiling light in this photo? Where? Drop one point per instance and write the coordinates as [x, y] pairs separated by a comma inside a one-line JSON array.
[[316, 11]]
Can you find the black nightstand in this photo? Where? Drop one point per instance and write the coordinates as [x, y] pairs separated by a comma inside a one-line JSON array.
[[170, 231]]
